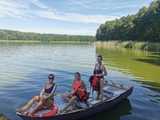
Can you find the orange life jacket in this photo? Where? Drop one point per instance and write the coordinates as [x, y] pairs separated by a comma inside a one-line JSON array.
[[79, 91], [95, 82], [76, 84]]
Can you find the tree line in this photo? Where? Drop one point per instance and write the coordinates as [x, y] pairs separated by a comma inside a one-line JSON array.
[[143, 26], [16, 35]]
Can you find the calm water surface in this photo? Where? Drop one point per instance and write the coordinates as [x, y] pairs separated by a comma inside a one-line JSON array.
[[24, 70]]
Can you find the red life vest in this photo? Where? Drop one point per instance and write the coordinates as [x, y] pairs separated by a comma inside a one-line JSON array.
[[79, 91], [76, 84], [95, 82]]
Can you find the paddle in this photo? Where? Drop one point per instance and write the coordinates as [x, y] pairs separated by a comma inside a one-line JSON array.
[[117, 85]]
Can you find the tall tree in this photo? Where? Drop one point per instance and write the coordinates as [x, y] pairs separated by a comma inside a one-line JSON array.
[[143, 26]]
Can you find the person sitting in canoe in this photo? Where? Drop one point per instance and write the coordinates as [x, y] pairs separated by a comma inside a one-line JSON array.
[[44, 100], [79, 92], [97, 79]]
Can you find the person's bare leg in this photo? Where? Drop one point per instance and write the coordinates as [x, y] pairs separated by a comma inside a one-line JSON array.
[[38, 107], [92, 94], [69, 104], [98, 95], [66, 97], [101, 88], [29, 104]]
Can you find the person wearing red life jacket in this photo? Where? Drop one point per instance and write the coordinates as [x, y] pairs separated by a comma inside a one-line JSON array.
[[97, 79], [79, 88], [79, 92]]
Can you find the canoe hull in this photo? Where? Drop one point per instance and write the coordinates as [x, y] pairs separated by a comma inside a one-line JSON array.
[[100, 107]]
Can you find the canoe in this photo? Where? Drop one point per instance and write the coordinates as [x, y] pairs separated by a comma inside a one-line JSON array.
[[113, 94]]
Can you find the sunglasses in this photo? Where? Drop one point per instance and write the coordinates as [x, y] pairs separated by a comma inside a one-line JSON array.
[[51, 78]]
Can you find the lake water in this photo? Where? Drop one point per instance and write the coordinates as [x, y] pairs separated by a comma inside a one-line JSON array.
[[25, 67]]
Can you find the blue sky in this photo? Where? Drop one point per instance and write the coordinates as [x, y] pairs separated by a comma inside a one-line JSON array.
[[64, 16]]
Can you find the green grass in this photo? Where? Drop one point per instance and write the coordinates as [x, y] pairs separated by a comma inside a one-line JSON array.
[[143, 65], [38, 41], [134, 45], [19, 41]]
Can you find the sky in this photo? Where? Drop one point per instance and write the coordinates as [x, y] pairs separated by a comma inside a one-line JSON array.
[[76, 17]]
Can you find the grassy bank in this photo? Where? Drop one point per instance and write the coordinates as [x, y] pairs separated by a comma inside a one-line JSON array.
[[132, 45], [20, 41], [2, 117], [38, 41]]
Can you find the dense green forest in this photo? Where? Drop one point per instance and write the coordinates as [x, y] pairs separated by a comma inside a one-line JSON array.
[[143, 26], [16, 35]]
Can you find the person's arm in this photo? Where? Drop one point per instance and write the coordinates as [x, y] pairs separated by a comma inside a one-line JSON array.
[[94, 69], [94, 73], [72, 90], [83, 84], [104, 71], [41, 93], [43, 90]]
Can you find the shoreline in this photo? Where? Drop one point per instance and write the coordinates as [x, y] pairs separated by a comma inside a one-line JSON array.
[[146, 46], [44, 42]]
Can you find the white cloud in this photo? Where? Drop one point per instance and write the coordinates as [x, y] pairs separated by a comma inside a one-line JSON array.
[[38, 4], [22, 9], [14, 8], [74, 17], [88, 4]]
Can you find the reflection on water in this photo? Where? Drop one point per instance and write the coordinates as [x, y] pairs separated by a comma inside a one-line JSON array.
[[152, 59], [141, 64], [19, 61], [24, 69]]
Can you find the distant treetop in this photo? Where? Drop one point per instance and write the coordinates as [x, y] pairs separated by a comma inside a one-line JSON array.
[[16, 35], [143, 26]]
